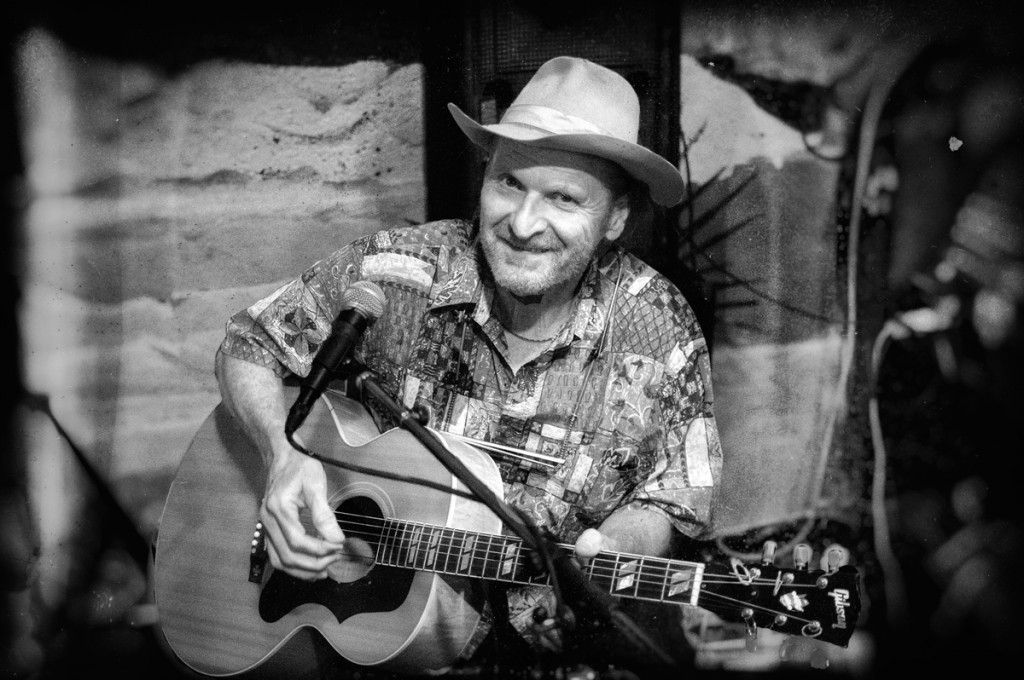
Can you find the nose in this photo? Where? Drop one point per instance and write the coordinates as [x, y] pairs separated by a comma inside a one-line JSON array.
[[527, 217]]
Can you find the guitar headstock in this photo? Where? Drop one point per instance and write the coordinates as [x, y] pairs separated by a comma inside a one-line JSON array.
[[823, 604]]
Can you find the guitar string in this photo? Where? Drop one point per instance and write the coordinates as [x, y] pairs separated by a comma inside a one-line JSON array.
[[722, 602], [655, 566], [489, 551], [605, 567], [742, 604], [379, 523], [706, 596]]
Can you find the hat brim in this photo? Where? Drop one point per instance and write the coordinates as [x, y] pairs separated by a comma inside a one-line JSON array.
[[665, 184]]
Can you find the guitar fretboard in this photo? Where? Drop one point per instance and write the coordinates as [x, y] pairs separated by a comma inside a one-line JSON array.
[[503, 558]]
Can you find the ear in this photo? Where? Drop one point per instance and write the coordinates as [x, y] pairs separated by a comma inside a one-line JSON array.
[[618, 219]]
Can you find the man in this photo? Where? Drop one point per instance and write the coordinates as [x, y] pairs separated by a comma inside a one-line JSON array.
[[529, 328]]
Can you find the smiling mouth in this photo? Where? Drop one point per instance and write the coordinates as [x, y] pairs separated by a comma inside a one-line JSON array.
[[525, 247]]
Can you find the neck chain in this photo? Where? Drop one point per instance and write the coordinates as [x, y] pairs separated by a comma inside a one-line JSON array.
[[536, 340]]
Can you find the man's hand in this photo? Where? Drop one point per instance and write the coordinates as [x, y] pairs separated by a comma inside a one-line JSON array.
[[591, 542], [297, 482]]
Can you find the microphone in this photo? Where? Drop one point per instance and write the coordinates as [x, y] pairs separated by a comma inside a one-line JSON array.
[[362, 303]]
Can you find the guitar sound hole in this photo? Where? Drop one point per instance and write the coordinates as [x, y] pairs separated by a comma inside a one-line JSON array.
[[361, 519]]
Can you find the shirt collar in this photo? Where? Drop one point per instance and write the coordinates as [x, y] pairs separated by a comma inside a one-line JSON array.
[[459, 283]]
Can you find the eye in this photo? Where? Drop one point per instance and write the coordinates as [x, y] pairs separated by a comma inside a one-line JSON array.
[[510, 182], [563, 199]]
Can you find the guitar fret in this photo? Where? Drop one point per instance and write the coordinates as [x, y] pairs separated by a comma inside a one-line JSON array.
[[396, 544], [497, 557], [421, 536], [412, 552], [597, 572], [448, 540], [489, 568], [424, 547], [664, 584], [432, 542], [508, 558], [387, 542], [398, 551], [466, 553], [509, 561], [681, 583], [647, 588], [624, 576], [382, 542], [407, 545], [479, 553]]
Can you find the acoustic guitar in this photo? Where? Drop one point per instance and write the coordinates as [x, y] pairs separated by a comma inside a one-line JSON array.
[[404, 606]]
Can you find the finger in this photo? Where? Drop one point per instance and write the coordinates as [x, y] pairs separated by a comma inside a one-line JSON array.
[[275, 558], [297, 572], [589, 543], [286, 516], [326, 522], [283, 556]]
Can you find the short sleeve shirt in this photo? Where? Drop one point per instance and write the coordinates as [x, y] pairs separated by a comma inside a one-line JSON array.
[[618, 409]]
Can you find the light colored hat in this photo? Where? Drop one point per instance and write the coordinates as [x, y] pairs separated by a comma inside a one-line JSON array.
[[576, 105]]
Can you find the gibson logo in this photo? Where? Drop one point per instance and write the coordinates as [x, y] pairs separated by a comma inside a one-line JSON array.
[[841, 600]]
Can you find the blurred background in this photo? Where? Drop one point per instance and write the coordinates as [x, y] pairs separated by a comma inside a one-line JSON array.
[[851, 239]]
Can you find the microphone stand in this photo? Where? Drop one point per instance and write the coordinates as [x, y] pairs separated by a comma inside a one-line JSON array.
[[543, 546], [411, 421], [597, 608]]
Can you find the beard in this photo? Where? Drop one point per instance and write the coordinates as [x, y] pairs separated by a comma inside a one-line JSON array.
[[536, 266]]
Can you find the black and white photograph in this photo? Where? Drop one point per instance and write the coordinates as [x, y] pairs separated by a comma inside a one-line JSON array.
[[512, 340]]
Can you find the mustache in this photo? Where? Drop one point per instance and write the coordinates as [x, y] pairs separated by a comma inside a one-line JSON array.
[[537, 243]]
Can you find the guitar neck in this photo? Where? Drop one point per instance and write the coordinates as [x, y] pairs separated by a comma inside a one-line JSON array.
[[455, 552]]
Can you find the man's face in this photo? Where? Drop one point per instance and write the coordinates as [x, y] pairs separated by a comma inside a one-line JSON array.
[[543, 213]]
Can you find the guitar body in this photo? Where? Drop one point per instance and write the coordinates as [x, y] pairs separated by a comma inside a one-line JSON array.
[[218, 622]]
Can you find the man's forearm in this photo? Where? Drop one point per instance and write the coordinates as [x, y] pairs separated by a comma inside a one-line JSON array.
[[255, 397]]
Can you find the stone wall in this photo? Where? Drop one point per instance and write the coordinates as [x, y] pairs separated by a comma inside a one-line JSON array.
[[163, 203]]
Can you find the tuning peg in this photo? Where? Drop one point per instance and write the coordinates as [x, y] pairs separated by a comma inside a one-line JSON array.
[[835, 556], [801, 555], [750, 641], [768, 552]]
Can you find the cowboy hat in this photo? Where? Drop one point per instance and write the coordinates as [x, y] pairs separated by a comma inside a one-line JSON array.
[[573, 104]]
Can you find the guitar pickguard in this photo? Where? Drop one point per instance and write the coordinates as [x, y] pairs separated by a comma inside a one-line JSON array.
[[382, 590]]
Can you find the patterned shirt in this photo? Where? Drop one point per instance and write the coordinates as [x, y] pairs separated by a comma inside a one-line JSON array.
[[621, 401], [619, 406]]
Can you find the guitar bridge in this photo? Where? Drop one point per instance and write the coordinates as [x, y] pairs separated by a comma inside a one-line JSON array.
[[257, 555]]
